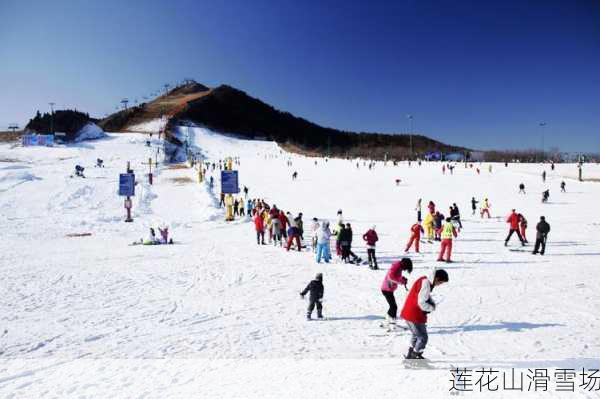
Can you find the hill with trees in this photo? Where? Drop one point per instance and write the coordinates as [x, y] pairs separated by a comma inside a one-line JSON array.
[[228, 110]]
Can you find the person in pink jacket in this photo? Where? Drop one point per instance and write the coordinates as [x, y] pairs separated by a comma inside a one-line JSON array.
[[392, 280]]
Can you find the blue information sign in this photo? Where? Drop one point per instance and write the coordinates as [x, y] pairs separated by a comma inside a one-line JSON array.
[[229, 182], [126, 184], [38, 139]]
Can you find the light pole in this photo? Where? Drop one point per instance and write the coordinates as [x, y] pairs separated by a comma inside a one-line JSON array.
[[410, 121], [51, 104], [542, 124]]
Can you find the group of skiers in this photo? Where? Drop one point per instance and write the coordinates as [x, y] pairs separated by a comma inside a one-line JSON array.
[[153, 239], [437, 228], [518, 224], [285, 229], [417, 305], [281, 226], [343, 234]]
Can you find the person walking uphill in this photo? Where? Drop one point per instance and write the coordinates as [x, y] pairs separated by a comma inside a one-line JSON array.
[[448, 230], [417, 306], [513, 219], [415, 237], [316, 289], [371, 238], [392, 280], [542, 230]]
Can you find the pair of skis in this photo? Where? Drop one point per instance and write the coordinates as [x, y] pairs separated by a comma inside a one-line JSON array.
[[392, 327]]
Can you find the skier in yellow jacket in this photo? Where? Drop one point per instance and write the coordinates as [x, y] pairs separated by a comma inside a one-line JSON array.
[[428, 224], [485, 208]]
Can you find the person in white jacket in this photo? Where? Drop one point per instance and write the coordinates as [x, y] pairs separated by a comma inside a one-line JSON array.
[[323, 236], [417, 306]]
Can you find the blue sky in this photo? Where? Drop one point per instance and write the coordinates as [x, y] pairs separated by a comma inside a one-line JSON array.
[[482, 74]]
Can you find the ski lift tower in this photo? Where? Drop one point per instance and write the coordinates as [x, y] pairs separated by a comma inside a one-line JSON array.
[[410, 119], [51, 104], [13, 127], [542, 124], [124, 102]]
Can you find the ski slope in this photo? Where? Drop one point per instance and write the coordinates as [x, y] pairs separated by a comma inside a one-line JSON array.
[[218, 316]]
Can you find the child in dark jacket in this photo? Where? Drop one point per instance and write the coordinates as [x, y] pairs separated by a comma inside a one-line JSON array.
[[315, 287]]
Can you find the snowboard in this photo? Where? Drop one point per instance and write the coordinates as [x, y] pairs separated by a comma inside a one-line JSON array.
[[392, 328]]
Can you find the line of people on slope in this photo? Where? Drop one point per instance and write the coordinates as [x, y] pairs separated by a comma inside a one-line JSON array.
[[283, 227]]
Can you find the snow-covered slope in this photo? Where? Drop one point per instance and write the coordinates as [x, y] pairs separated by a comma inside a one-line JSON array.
[[152, 126], [218, 316]]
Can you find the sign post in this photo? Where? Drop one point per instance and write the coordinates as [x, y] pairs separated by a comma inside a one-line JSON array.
[[229, 186], [127, 189], [150, 170]]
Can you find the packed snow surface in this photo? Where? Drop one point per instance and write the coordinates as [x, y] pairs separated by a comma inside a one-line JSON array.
[[86, 314]]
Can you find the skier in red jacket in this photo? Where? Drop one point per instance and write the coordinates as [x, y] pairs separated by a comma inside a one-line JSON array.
[[284, 222], [416, 230], [259, 225], [416, 307], [371, 238], [513, 220]]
